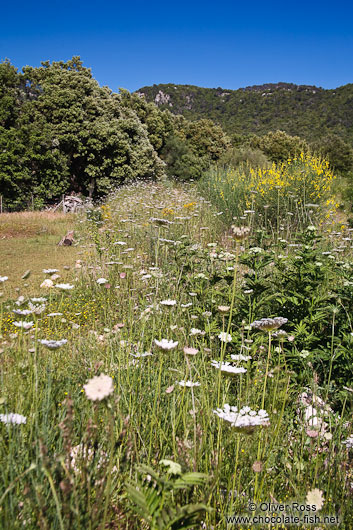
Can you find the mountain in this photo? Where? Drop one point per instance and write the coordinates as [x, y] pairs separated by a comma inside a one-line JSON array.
[[307, 111]]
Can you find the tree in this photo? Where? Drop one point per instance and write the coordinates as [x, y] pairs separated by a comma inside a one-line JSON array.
[[337, 151], [279, 146], [104, 142]]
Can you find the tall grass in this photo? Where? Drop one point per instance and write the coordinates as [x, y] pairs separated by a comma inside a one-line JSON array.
[[76, 463], [298, 191]]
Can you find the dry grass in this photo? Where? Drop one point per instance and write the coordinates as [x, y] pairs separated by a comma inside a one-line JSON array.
[[29, 240]]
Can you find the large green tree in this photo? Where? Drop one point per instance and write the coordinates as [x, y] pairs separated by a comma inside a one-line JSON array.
[[103, 141]]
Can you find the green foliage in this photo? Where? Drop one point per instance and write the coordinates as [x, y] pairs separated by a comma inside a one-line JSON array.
[[155, 499], [337, 151], [181, 162], [307, 111], [279, 146], [243, 156], [69, 135]]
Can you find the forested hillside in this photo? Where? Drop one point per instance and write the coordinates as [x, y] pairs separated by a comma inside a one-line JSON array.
[[61, 132], [306, 111]]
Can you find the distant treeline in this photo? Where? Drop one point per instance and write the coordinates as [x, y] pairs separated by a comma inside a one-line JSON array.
[[60, 132]]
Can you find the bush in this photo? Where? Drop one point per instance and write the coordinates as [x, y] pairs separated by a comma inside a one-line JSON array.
[[300, 189]]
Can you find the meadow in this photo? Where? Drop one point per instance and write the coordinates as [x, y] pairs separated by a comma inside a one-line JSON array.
[[194, 361]]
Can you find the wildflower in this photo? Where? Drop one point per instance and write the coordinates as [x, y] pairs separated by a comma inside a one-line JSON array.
[[160, 222], [99, 387], [268, 324], [53, 344], [241, 357], [39, 300], [50, 271], [245, 419], [304, 354], [195, 331], [190, 351], [240, 233], [225, 337], [228, 368], [3, 279], [54, 314], [168, 303], [165, 344], [139, 355], [64, 286], [189, 384], [349, 442], [36, 309], [23, 325], [186, 305], [223, 308], [101, 281], [22, 312], [315, 498], [47, 283], [12, 417]]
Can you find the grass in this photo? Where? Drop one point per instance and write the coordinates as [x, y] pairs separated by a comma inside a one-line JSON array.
[[78, 463], [28, 241]]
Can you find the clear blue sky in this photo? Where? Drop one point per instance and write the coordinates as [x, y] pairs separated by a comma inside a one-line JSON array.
[[224, 43]]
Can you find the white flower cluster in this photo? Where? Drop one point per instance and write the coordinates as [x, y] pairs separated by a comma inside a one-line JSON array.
[[53, 344], [99, 387], [240, 357], [189, 384], [23, 325], [349, 442], [267, 324], [165, 344], [12, 417], [244, 418], [228, 368], [225, 337]]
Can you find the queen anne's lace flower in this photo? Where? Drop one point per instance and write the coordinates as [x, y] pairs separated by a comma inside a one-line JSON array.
[[53, 344], [102, 281], [268, 324], [64, 286], [12, 417], [189, 384], [22, 312], [228, 368], [165, 344], [349, 442], [99, 387], [240, 357], [47, 283], [225, 337], [244, 419], [169, 303], [23, 325]]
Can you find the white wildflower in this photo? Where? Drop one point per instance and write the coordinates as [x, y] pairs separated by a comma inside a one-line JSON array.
[[241, 357], [64, 286], [23, 325], [225, 337], [102, 281], [189, 384], [228, 368], [99, 387], [12, 417], [165, 344], [53, 344]]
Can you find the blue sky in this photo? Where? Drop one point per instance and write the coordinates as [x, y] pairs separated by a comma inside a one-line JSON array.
[[224, 43]]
